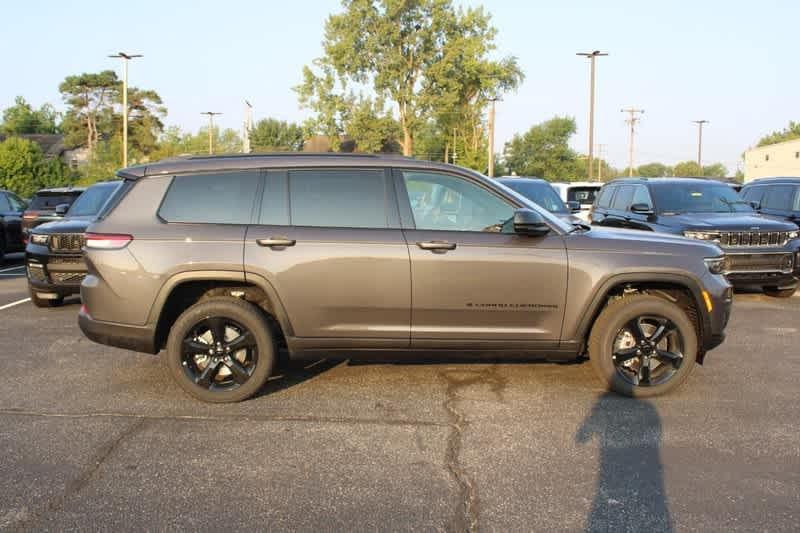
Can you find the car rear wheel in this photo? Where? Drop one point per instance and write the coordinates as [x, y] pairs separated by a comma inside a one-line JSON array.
[[780, 293], [643, 345], [220, 350]]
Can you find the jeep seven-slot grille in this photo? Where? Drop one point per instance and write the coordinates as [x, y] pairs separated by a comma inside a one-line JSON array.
[[731, 239], [67, 242]]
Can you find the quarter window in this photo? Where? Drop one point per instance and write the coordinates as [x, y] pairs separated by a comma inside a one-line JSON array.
[[338, 198], [449, 203], [219, 198]]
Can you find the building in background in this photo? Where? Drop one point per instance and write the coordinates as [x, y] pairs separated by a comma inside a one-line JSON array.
[[781, 159]]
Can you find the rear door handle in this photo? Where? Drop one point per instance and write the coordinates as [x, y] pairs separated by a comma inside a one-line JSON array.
[[437, 245], [276, 242]]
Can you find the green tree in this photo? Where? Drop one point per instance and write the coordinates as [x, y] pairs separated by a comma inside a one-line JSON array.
[[653, 170], [687, 169], [715, 170], [372, 127], [145, 125], [273, 135], [90, 99], [789, 133], [21, 119], [543, 151], [24, 169], [403, 51], [175, 142]]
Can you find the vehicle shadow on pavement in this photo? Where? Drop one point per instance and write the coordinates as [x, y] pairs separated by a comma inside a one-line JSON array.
[[630, 494], [291, 373]]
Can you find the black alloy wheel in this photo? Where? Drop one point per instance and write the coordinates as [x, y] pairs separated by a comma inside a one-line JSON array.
[[648, 351]]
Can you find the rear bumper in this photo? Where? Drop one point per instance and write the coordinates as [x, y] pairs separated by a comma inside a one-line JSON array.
[[136, 338]]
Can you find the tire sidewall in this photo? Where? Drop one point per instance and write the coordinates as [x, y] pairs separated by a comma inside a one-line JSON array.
[[621, 312], [242, 312]]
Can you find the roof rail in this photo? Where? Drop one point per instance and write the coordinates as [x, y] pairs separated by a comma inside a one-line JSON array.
[[255, 155]]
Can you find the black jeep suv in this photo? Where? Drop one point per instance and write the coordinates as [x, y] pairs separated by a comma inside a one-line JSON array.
[[48, 205], [760, 251], [775, 197], [11, 208], [53, 255]]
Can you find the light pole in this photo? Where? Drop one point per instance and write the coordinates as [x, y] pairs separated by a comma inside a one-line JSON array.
[[210, 129], [491, 138], [125, 58], [592, 56], [700, 143]]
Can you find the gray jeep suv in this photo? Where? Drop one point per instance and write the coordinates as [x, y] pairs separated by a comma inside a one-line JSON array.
[[222, 261]]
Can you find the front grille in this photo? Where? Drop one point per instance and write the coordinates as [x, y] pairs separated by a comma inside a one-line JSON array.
[[68, 278], [731, 239], [65, 260], [67, 242], [746, 263]]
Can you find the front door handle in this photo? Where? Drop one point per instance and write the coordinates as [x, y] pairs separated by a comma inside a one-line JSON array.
[[276, 242], [437, 245]]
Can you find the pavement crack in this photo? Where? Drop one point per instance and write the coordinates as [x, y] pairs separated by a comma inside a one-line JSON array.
[[466, 517], [79, 483]]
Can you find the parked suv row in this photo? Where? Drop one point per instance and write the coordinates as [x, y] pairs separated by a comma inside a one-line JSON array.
[[775, 197], [221, 260], [760, 252]]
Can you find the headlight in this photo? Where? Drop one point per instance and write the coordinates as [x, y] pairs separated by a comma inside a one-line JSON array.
[[701, 235], [716, 265], [39, 239], [793, 235]]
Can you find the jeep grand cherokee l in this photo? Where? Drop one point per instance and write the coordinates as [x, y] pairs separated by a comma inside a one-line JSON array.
[[759, 252], [53, 257], [217, 261]]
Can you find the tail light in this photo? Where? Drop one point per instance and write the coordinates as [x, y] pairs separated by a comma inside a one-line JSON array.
[[107, 241], [30, 215]]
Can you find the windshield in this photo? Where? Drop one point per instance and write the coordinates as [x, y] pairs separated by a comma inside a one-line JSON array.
[[675, 197], [539, 192], [90, 202]]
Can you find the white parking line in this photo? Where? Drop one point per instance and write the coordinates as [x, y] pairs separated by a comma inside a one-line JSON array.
[[12, 268], [12, 304]]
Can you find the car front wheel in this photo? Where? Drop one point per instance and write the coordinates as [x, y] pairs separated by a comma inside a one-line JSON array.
[[643, 345], [220, 350]]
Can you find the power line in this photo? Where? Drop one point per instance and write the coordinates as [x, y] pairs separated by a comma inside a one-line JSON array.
[[211, 115], [592, 56], [631, 121], [700, 143]]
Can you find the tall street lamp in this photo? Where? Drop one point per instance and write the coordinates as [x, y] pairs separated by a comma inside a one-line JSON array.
[[592, 56], [700, 143], [125, 58]]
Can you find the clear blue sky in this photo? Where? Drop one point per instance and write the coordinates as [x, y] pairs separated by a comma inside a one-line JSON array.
[[732, 62]]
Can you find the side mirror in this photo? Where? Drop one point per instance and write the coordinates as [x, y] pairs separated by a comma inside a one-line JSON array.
[[61, 209], [641, 209], [755, 205], [574, 206], [529, 222]]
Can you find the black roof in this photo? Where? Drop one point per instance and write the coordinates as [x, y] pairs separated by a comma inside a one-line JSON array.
[[640, 179], [276, 160], [787, 179]]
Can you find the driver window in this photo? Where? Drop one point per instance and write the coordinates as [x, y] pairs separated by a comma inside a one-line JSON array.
[[641, 196], [449, 203]]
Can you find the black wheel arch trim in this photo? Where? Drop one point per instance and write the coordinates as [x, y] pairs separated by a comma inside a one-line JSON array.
[[601, 295]]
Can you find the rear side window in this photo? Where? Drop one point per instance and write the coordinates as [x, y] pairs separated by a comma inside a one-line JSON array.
[[779, 197], [50, 201], [219, 198], [606, 194], [623, 198], [4, 203], [753, 194], [338, 198]]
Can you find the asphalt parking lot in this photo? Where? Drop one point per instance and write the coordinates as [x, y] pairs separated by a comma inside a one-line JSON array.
[[95, 438]]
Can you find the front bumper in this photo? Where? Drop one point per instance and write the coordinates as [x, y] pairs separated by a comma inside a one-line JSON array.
[[54, 273], [767, 267], [715, 321]]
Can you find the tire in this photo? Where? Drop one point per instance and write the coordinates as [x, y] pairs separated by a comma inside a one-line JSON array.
[[620, 367], [45, 302], [780, 293], [217, 375]]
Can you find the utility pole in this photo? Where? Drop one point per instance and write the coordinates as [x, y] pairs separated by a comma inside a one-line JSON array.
[[248, 125], [491, 138], [600, 149], [632, 120], [125, 58], [210, 129], [592, 56], [700, 143], [454, 146]]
